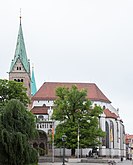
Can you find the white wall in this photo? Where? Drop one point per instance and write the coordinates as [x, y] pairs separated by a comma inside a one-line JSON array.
[[116, 151]]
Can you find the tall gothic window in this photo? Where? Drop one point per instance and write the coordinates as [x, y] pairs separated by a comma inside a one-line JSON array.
[[112, 132], [123, 134], [117, 132], [107, 134]]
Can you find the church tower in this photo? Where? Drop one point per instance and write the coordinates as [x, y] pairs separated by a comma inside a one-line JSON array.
[[20, 65]]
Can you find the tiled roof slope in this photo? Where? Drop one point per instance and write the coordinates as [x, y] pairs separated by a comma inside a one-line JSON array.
[[110, 114], [39, 110], [128, 138], [47, 91]]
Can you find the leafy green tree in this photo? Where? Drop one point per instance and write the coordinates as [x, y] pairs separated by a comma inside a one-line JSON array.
[[75, 114], [12, 90], [17, 130]]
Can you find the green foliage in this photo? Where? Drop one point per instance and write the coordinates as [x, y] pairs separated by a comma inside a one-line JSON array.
[[12, 90], [74, 111], [17, 129]]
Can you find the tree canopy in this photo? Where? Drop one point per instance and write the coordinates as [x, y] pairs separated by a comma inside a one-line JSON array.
[[75, 112], [17, 125], [12, 90], [17, 129]]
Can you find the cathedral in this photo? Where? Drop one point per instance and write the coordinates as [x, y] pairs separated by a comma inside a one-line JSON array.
[[113, 145]]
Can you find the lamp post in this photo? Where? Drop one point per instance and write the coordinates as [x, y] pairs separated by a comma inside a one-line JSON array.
[[63, 140], [78, 141], [52, 141]]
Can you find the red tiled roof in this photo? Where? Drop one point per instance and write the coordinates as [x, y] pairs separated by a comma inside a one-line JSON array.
[[39, 110], [110, 114], [128, 138], [47, 91]]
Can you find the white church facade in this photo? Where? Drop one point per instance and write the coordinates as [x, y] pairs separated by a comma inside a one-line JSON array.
[[113, 145]]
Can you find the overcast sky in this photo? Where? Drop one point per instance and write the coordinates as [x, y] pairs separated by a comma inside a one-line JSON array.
[[75, 41]]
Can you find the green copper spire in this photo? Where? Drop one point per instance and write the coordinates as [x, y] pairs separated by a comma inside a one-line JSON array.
[[20, 52], [33, 83]]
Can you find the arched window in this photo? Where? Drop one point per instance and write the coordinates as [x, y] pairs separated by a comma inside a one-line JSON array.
[[37, 125], [107, 134], [117, 132], [112, 132], [18, 68]]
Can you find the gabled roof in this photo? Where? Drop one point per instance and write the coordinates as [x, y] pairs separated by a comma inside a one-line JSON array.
[[20, 52], [47, 91], [110, 114], [33, 83]]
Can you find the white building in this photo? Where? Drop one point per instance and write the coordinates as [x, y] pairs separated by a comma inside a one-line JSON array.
[[113, 145]]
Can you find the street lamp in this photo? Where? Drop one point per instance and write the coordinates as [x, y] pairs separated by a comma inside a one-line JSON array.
[[78, 141], [53, 141], [64, 140]]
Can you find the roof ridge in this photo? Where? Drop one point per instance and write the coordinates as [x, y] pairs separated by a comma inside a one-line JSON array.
[[65, 82], [47, 91]]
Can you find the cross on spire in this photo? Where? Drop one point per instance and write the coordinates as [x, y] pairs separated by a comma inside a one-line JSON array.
[[20, 16]]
